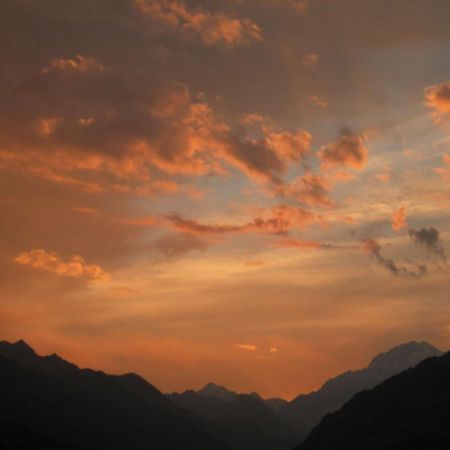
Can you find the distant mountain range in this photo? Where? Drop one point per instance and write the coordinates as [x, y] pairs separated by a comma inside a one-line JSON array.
[[49, 403], [259, 426], [295, 419]]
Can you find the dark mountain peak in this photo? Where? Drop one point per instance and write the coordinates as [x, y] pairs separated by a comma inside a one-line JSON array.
[[305, 411], [22, 344], [223, 393], [137, 383], [256, 395], [405, 355], [19, 348], [216, 391], [244, 420], [22, 353], [132, 377], [407, 411]]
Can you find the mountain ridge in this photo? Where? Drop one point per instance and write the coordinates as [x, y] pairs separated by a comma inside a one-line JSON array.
[[233, 421], [408, 411], [305, 411], [91, 410]]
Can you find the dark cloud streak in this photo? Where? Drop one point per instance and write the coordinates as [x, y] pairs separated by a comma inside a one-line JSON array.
[[374, 249], [429, 239]]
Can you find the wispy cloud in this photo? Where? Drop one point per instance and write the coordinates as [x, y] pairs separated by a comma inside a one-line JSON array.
[[374, 249], [247, 347], [212, 28], [398, 219], [438, 98], [74, 267]]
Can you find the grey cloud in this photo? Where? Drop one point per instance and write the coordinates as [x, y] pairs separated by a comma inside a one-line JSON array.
[[374, 249], [429, 239]]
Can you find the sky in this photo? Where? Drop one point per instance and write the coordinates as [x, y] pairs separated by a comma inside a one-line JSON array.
[[248, 192]]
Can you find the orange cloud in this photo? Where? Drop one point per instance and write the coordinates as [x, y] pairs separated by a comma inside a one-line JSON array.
[[211, 28], [113, 140], [444, 171], [253, 119], [310, 189], [266, 158], [438, 98], [126, 139], [193, 226], [310, 60], [74, 267], [90, 170], [47, 126], [282, 219], [70, 169], [80, 64], [319, 102], [248, 347], [348, 150], [398, 219], [202, 141], [289, 146]]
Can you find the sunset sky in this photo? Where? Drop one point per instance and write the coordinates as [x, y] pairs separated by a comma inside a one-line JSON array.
[[249, 192]]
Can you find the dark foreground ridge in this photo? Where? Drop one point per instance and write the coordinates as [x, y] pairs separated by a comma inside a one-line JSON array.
[[410, 411], [18, 437], [56, 401], [306, 411]]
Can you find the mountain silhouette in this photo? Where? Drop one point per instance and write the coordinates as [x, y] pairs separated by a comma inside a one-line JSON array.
[[49, 403], [89, 409], [294, 419], [244, 420], [304, 412], [410, 411], [18, 437], [218, 392]]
